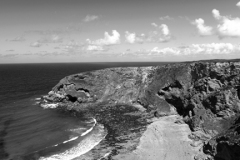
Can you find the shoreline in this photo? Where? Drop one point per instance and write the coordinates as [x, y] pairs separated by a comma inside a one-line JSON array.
[[82, 147], [165, 138], [125, 99]]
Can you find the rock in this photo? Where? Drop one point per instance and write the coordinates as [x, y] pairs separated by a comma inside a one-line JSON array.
[[206, 94], [213, 85]]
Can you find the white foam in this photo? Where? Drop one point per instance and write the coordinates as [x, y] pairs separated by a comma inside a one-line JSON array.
[[38, 99], [49, 105], [72, 139], [89, 130], [105, 155], [81, 148], [77, 130]]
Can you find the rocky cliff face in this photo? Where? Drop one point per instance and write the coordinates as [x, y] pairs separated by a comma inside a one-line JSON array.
[[206, 94]]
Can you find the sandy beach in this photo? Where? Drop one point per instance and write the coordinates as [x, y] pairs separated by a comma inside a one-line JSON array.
[[164, 140]]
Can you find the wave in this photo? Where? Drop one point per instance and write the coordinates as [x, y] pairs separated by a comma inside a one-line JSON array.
[[72, 139], [77, 130], [89, 130], [38, 99], [80, 130], [49, 105], [105, 155], [85, 145]]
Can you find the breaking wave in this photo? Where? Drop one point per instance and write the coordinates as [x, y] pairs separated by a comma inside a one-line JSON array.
[[71, 139], [77, 131], [89, 130], [91, 138]]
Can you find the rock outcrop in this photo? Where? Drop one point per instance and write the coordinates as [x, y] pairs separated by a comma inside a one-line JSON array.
[[206, 94]]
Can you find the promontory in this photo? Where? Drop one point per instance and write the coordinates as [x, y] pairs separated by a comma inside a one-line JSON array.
[[175, 111]]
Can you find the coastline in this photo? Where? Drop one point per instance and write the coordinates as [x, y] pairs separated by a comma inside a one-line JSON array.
[[166, 138], [205, 94], [83, 146]]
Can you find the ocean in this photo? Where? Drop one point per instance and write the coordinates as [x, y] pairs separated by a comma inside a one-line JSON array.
[[28, 131]]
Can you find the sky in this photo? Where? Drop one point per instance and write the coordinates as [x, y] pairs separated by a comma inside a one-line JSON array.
[[43, 31]]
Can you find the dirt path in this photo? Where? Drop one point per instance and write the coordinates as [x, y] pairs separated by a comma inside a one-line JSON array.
[[164, 140]]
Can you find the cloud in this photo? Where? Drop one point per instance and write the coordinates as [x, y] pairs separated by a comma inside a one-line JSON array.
[[203, 30], [164, 29], [238, 4], [161, 34], [228, 26], [133, 38], [74, 27], [51, 39], [47, 53], [166, 18], [164, 51], [216, 14], [130, 37], [185, 18], [154, 24], [55, 39], [9, 55], [35, 44], [107, 40], [90, 18], [72, 47], [47, 39], [201, 49], [18, 39], [94, 48]]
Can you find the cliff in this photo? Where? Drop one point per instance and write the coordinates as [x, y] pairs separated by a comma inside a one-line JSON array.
[[206, 94]]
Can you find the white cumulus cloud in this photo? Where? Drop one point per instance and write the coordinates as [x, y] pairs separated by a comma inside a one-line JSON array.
[[154, 24], [211, 48], [94, 48], [134, 38], [203, 29], [35, 44], [90, 18], [164, 51], [228, 26], [216, 14], [164, 29], [161, 34], [107, 40], [130, 37], [238, 4]]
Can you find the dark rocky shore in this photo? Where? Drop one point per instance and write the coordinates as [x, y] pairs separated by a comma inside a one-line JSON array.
[[125, 100]]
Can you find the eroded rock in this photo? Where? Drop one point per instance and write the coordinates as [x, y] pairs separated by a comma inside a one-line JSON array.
[[205, 94]]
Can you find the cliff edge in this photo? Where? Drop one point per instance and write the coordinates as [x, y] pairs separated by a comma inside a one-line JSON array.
[[205, 94]]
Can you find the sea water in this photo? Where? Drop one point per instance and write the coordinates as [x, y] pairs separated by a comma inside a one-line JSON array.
[[28, 131]]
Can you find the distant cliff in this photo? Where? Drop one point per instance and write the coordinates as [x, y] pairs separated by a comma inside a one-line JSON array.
[[206, 94]]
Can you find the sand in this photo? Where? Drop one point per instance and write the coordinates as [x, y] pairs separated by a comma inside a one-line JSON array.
[[164, 140]]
